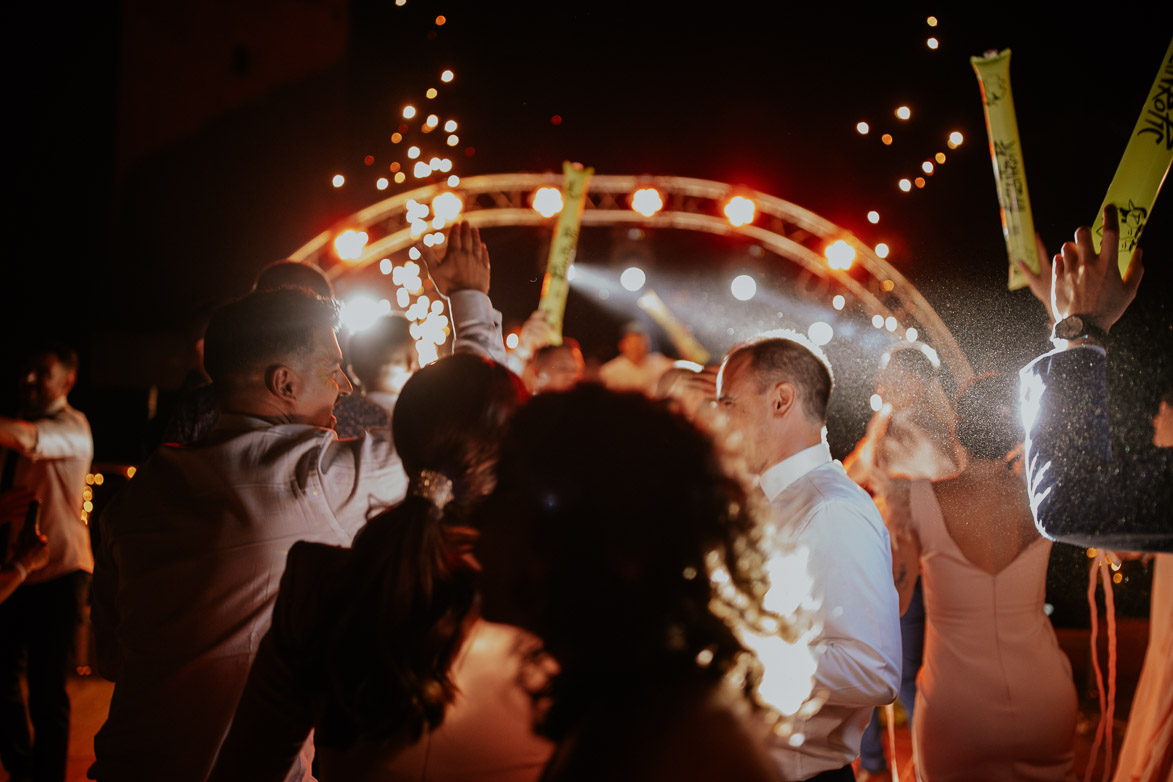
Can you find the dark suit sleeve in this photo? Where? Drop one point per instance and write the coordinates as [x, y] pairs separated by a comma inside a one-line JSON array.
[[1082, 493]]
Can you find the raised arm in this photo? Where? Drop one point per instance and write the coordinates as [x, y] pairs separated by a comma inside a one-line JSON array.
[[462, 275], [1081, 493]]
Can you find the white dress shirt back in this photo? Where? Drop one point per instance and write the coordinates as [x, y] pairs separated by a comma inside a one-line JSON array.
[[814, 504]]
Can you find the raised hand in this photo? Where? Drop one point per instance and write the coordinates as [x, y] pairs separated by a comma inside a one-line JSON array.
[[465, 265], [1085, 283]]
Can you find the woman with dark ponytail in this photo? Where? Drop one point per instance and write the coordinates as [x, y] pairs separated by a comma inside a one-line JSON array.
[[364, 639]]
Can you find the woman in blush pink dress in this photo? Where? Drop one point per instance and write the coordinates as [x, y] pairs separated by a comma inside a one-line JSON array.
[[995, 696]]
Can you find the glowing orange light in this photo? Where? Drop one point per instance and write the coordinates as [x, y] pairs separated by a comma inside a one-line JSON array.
[[887, 285], [873, 217], [939, 157], [919, 181], [740, 211], [431, 93], [440, 20], [932, 21], [447, 76], [647, 201], [927, 167], [349, 244], [98, 479], [130, 471], [394, 167], [863, 128], [905, 185], [408, 112], [887, 139], [903, 112], [933, 43], [840, 254], [547, 201], [400, 177], [882, 252], [368, 160], [396, 137], [338, 180]]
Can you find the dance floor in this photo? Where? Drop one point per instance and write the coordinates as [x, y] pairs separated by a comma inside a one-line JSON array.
[[90, 696]]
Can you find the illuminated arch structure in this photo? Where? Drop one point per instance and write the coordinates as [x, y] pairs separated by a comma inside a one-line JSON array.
[[793, 233]]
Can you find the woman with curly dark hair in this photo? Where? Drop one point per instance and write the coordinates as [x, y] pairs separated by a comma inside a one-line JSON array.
[[364, 639], [610, 515]]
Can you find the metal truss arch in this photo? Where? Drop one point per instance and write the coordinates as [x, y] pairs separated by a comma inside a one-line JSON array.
[[786, 229]]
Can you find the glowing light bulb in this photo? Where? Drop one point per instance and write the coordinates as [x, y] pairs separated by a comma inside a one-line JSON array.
[[633, 278], [863, 128], [903, 112], [839, 302], [743, 287], [873, 217], [840, 254], [882, 250], [547, 201], [647, 201], [338, 180], [349, 244], [740, 211]]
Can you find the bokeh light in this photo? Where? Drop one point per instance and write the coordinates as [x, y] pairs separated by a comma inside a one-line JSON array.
[[450, 126], [381, 183], [633, 278], [939, 157], [349, 244], [740, 211], [385, 266], [408, 112], [361, 312], [863, 128], [878, 321], [431, 93], [931, 21], [881, 250], [873, 217], [338, 180], [839, 301], [743, 287], [933, 43], [905, 185], [840, 254], [647, 201], [512, 340], [887, 139], [903, 112], [919, 181], [911, 334], [547, 201], [447, 76], [876, 402], [447, 206], [820, 332], [955, 139], [413, 152], [891, 323], [927, 167]]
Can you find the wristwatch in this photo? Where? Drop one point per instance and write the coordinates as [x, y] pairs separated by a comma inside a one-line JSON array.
[[1075, 327]]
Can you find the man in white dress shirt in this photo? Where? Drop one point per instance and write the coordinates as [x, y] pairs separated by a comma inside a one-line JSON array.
[[775, 393], [193, 549]]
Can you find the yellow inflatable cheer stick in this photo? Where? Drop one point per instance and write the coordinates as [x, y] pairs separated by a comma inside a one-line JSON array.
[[993, 72], [686, 344], [564, 246], [1144, 166]]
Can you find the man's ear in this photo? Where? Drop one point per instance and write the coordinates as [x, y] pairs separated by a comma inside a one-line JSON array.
[[783, 397], [282, 382]]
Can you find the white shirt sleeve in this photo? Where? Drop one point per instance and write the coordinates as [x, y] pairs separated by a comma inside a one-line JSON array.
[[63, 435], [477, 326], [851, 566]]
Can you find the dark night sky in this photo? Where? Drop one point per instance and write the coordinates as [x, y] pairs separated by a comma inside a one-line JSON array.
[[164, 155]]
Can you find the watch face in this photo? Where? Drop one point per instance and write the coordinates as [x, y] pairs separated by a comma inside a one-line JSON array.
[[1069, 327]]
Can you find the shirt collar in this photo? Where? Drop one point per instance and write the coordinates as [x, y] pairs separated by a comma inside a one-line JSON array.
[[775, 480]]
